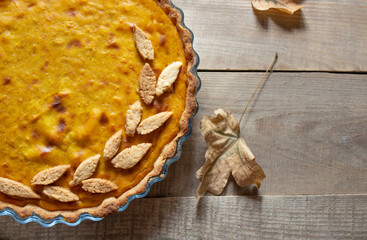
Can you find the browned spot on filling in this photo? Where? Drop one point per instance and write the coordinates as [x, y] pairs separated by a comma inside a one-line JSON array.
[[20, 16], [162, 40], [52, 140], [103, 120], [119, 67], [79, 155], [131, 27], [57, 104], [61, 125], [71, 12], [4, 40], [126, 142], [31, 4], [35, 135], [105, 82], [164, 107], [34, 81], [119, 28], [4, 3], [44, 66], [46, 150], [149, 29], [113, 45], [157, 71], [159, 106], [128, 90], [6, 80], [90, 82], [74, 43], [5, 165]]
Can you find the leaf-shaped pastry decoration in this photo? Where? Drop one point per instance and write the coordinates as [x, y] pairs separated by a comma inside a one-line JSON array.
[[227, 153], [16, 189], [129, 157], [85, 170], [147, 82], [60, 194], [288, 6], [167, 78], [143, 44], [133, 117], [152, 123], [112, 145], [50, 175], [98, 185]]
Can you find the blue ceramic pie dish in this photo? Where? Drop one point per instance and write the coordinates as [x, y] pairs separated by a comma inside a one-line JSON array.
[[86, 216]]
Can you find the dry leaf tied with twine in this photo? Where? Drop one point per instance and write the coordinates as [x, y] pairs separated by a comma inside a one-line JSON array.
[[288, 6], [227, 152]]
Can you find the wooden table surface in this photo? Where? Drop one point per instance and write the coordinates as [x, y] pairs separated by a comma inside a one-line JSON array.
[[307, 127]]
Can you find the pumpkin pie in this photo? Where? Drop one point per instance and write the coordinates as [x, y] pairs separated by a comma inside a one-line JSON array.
[[94, 96]]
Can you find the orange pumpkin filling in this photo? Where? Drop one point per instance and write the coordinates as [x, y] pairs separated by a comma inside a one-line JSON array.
[[68, 73]]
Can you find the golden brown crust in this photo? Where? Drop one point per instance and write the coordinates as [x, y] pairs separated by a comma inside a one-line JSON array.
[[98, 185], [133, 117], [16, 189], [143, 44], [60, 194], [49, 175], [167, 77], [112, 204], [112, 145], [147, 83], [152, 123], [85, 170], [129, 157]]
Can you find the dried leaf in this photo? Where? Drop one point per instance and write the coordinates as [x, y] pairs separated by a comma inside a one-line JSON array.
[[227, 153], [60, 194], [85, 170], [288, 6], [50, 175], [16, 189]]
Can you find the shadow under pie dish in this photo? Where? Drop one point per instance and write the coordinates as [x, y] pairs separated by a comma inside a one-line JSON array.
[[96, 99]]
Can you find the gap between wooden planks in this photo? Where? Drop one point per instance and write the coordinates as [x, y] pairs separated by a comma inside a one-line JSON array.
[[307, 130], [261, 217], [328, 35]]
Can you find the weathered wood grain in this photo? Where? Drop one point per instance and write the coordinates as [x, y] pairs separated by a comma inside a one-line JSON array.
[[267, 217], [307, 130], [326, 35]]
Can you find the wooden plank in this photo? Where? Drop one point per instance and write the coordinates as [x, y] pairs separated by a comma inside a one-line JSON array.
[[328, 35], [267, 217], [307, 130]]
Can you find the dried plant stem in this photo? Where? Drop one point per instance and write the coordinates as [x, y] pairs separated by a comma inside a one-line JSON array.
[[267, 70]]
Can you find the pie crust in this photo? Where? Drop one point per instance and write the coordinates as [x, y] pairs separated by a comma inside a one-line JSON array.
[[112, 204]]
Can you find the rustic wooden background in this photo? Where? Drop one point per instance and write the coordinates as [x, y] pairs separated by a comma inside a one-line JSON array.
[[307, 127]]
